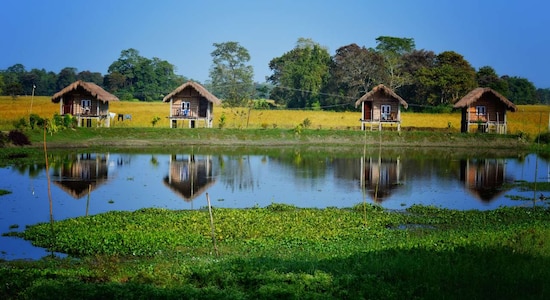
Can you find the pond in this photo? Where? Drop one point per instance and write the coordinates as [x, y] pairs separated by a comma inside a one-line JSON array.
[[84, 183]]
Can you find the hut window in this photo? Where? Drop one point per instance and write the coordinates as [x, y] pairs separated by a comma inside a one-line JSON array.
[[86, 103], [385, 111], [481, 110], [185, 108]]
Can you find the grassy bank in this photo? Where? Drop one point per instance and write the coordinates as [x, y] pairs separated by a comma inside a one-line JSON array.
[[284, 252]]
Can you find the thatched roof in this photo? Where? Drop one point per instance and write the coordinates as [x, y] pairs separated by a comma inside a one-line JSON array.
[[479, 93], [381, 89], [93, 89], [197, 87]]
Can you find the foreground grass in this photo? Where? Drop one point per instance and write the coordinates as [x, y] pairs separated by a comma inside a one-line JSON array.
[[285, 252]]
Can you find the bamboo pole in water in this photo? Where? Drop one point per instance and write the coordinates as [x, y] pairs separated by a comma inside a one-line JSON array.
[[212, 225], [49, 190]]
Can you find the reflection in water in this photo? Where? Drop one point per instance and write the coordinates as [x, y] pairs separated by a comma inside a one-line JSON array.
[[380, 176], [189, 175], [484, 178], [122, 181], [80, 174]]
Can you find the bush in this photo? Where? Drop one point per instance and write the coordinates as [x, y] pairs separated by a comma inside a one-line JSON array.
[[221, 122], [155, 120], [3, 139], [18, 138], [35, 120], [544, 138], [21, 124]]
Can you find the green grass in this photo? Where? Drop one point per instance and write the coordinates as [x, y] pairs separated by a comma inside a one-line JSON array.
[[281, 251]]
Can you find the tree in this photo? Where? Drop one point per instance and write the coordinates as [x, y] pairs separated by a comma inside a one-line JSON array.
[[487, 77], [542, 94], [44, 81], [451, 78], [231, 76], [521, 90], [300, 74], [414, 91], [12, 80], [135, 76], [393, 49], [88, 76], [353, 72], [66, 77]]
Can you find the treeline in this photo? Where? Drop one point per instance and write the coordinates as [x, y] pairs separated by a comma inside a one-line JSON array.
[[307, 76]]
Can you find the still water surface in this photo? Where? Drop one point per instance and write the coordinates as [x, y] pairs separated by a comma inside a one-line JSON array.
[[92, 183]]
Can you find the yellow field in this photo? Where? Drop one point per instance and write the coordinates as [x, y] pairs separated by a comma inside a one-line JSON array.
[[529, 119]]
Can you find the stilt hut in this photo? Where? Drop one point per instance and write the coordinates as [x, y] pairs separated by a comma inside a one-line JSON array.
[[380, 106], [193, 103], [86, 101], [484, 110]]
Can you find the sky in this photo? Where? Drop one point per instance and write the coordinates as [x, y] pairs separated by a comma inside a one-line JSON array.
[[511, 36]]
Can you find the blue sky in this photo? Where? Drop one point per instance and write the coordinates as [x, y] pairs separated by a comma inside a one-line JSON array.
[[511, 36]]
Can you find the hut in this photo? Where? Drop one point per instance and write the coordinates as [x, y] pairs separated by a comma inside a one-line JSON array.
[[380, 106], [86, 101], [485, 110], [191, 102]]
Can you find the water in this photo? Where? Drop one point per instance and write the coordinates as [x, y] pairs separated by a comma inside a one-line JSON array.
[[92, 183]]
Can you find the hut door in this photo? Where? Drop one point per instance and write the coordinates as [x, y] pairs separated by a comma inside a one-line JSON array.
[[367, 109], [203, 108]]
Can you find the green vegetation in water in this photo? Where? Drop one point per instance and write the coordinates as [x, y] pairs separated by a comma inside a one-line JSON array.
[[282, 251], [4, 192]]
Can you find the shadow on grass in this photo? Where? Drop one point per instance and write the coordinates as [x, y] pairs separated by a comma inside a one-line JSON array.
[[463, 273]]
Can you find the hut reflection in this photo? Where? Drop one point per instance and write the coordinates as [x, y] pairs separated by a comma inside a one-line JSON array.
[[82, 173], [189, 175], [484, 178], [380, 176]]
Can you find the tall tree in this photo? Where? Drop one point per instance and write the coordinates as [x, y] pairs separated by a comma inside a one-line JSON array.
[[487, 77], [300, 74], [521, 90], [12, 80], [88, 76], [544, 95], [353, 72], [65, 77], [451, 78], [393, 49], [135, 76], [414, 91], [230, 74]]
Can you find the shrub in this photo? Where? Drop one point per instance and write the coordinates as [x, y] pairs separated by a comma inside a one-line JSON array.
[[35, 120], [18, 138], [155, 120], [3, 139], [221, 122], [21, 124], [544, 138]]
